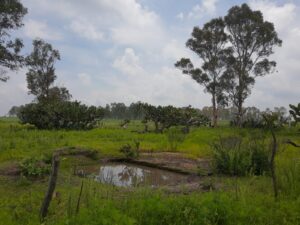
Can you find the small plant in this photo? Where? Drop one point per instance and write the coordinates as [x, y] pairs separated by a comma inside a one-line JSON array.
[[33, 167], [131, 152], [175, 137]]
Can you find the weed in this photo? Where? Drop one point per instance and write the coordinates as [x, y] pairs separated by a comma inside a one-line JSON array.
[[32, 167]]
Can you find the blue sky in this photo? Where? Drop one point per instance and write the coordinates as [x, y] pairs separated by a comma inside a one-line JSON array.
[[124, 50]]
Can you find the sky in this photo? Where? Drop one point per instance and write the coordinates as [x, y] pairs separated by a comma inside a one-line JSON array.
[[125, 50]]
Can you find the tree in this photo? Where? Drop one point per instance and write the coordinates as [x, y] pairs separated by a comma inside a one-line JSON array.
[[41, 73], [209, 43], [59, 94], [295, 113], [191, 117], [165, 117], [60, 115], [252, 41], [11, 15], [118, 110], [14, 111]]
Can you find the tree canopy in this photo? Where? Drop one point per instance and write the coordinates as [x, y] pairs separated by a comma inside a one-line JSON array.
[[252, 40], [234, 50], [209, 43], [41, 73], [11, 16]]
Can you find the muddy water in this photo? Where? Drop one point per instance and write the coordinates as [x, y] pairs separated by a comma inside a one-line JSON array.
[[129, 175]]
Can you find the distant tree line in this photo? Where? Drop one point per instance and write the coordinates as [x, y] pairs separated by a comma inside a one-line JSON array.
[[115, 110]]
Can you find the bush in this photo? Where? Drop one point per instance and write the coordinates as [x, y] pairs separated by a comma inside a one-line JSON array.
[[231, 157], [60, 115], [33, 167], [259, 155], [131, 152]]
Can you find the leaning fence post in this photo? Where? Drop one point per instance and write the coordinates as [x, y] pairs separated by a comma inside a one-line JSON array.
[[51, 187]]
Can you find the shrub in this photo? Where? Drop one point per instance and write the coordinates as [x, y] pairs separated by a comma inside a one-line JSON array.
[[60, 115], [129, 151], [235, 156], [33, 167], [230, 157]]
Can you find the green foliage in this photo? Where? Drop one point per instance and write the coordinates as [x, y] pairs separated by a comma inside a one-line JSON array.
[[250, 60], [125, 123], [12, 13], [60, 115], [164, 117], [259, 154], [235, 156], [41, 72], [33, 167], [21, 199], [295, 113], [209, 43], [130, 151], [230, 157], [13, 111], [102, 214], [288, 173], [175, 137]]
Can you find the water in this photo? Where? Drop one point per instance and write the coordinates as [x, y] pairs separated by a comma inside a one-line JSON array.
[[129, 175]]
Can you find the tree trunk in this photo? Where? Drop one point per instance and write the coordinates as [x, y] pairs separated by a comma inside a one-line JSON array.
[[240, 100], [215, 111], [240, 114]]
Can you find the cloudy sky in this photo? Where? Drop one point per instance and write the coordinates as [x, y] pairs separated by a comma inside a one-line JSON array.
[[125, 50]]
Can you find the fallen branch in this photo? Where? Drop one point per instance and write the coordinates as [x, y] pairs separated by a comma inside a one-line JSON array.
[[292, 143]]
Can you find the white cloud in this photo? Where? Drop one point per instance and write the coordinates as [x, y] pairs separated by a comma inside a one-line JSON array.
[[282, 87], [39, 29], [206, 7], [165, 86], [86, 30], [174, 50], [125, 22], [128, 63], [283, 16]]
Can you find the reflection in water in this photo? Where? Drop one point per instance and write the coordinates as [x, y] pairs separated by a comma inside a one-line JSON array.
[[127, 175]]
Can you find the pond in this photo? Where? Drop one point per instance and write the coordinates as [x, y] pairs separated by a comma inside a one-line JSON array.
[[130, 175]]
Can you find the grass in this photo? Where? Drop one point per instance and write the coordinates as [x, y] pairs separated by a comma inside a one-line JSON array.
[[17, 141], [246, 200]]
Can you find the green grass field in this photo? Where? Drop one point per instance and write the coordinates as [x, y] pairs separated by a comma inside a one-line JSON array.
[[245, 200]]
